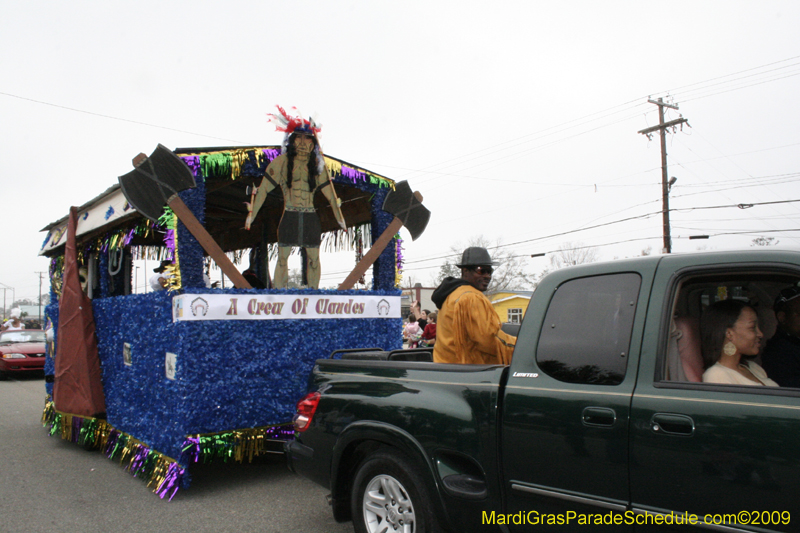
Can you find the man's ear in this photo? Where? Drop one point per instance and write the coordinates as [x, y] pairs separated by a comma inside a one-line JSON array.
[[781, 316]]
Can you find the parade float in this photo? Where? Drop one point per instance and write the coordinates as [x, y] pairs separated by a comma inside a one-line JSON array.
[[160, 380]]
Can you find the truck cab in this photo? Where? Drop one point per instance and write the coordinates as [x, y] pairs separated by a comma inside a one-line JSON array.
[[601, 419], [602, 411]]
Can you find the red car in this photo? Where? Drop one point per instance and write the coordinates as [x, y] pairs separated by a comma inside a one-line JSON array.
[[21, 352]]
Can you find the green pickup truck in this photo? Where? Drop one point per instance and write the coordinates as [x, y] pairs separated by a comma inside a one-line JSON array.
[[598, 422]]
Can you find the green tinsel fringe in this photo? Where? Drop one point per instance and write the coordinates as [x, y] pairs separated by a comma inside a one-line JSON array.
[[217, 165]]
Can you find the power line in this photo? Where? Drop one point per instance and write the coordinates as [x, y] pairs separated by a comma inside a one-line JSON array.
[[647, 215], [689, 99], [110, 117], [740, 206], [678, 89]]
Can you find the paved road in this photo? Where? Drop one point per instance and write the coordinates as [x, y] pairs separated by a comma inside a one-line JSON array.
[[49, 485]]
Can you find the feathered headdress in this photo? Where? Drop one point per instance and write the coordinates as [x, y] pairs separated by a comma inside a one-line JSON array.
[[293, 124], [297, 124]]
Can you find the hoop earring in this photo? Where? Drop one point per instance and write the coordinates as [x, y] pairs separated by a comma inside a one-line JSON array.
[[729, 348]]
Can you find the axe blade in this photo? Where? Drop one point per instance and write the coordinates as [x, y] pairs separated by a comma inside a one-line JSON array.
[[403, 204], [149, 186]]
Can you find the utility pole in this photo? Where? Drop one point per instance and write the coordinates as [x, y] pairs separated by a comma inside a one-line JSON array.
[[13, 297], [662, 128], [40, 297]]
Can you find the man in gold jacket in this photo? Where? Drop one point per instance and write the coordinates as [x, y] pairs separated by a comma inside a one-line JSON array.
[[468, 328]]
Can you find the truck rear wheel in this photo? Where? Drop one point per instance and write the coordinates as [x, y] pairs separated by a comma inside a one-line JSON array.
[[389, 495]]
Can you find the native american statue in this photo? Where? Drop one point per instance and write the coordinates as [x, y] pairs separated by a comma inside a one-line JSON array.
[[300, 172]]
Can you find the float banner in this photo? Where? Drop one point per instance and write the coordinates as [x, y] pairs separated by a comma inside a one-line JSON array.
[[282, 306]]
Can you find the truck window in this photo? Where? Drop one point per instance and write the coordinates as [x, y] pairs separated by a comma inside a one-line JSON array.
[[683, 359], [587, 329]]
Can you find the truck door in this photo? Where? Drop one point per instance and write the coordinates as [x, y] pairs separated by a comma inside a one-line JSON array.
[[723, 454], [567, 401]]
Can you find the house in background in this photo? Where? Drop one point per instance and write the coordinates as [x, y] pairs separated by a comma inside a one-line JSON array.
[[511, 305], [417, 292]]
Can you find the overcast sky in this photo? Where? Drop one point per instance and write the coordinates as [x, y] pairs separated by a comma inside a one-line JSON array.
[[516, 120]]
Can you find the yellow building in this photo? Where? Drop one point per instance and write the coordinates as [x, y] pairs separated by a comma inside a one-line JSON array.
[[511, 305]]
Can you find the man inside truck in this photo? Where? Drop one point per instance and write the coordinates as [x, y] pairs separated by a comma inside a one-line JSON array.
[[781, 358], [468, 327]]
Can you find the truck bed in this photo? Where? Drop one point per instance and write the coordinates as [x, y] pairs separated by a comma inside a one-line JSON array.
[[449, 413]]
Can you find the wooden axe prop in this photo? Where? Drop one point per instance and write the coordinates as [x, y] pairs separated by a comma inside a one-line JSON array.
[[156, 181], [408, 211]]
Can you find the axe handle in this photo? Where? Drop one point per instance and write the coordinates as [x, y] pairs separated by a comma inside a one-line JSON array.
[[207, 242], [372, 255]]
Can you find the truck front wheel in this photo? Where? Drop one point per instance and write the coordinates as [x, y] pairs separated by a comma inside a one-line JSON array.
[[389, 495]]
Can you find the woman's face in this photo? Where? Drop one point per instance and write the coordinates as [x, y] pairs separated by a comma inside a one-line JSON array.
[[745, 334], [423, 315]]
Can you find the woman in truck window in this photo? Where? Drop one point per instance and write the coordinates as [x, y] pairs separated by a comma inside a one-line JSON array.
[[728, 331]]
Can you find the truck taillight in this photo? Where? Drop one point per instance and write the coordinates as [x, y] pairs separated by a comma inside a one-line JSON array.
[[305, 411]]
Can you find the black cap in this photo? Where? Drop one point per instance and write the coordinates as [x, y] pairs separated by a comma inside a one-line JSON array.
[[160, 268], [786, 295], [475, 256]]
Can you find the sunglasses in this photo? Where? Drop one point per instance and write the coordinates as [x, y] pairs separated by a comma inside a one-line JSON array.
[[484, 270]]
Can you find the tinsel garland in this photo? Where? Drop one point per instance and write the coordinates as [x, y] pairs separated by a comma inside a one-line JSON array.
[[359, 245], [56, 276], [231, 165], [151, 253], [122, 238], [271, 153], [169, 220], [217, 165], [159, 471], [162, 473], [353, 175], [236, 444], [344, 240], [398, 274], [84, 431], [193, 162], [51, 318]]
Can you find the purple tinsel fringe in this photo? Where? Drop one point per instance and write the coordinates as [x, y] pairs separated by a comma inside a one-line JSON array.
[[399, 252], [271, 154], [76, 428], [193, 162], [111, 444], [191, 450], [353, 174], [169, 241], [137, 462], [173, 478], [172, 481]]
